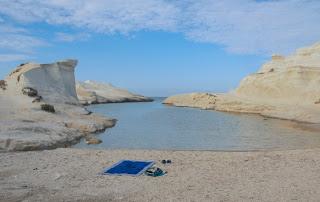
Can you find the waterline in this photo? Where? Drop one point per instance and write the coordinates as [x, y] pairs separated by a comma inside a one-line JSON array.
[[156, 126]]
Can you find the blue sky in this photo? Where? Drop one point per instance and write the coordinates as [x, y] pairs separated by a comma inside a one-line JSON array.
[[156, 47]]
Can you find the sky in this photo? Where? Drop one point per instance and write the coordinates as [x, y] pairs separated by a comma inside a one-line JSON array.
[[156, 47]]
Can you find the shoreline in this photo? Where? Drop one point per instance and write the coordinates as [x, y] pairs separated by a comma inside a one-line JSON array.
[[294, 121], [190, 150], [288, 125], [40, 109], [73, 175], [286, 87], [270, 115]]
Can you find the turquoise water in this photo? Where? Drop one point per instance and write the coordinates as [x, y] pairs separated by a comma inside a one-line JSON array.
[[152, 125]]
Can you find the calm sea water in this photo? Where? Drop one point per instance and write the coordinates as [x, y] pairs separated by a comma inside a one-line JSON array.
[[156, 126]]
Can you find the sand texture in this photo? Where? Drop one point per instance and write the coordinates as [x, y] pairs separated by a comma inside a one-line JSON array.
[[285, 87], [72, 175], [24, 126], [91, 92]]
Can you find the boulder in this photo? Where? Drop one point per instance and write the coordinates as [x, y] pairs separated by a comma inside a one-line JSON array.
[[92, 140]]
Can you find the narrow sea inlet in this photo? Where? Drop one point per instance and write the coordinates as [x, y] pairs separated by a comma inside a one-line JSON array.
[[152, 125]]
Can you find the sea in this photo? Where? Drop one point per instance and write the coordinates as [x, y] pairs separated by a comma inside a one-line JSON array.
[[153, 125]]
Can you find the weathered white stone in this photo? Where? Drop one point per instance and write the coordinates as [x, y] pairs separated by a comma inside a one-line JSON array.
[[91, 92], [24, 126], [285, 87]]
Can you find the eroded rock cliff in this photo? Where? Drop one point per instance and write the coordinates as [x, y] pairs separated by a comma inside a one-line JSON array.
[[39, 108], [91, 92], [285, 87]]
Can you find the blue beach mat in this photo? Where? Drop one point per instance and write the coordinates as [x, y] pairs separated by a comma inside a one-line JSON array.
[[128, 167]]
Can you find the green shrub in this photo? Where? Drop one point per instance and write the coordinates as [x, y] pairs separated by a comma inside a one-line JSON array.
[[48, 108]]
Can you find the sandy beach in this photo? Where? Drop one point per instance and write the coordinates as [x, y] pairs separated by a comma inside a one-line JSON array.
[[69, 174], [73, 175], [228, 92]]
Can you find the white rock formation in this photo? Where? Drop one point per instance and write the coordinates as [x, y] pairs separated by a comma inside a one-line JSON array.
[[24, 126], [285, 87], [54, 82], [91, 92]]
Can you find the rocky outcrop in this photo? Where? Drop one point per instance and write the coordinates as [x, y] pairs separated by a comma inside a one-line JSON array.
[[285, 87], [39, 109], [54, 82], [91, 92]]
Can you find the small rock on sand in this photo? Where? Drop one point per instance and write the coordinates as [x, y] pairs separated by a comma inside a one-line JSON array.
[[93, 140]]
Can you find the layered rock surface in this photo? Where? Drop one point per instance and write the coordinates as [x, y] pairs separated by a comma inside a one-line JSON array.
[[24, 126], [285, 87], [91, 92]]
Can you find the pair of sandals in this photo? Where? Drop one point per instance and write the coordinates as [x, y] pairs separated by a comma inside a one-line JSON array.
[[166, 161], [155, 172]]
